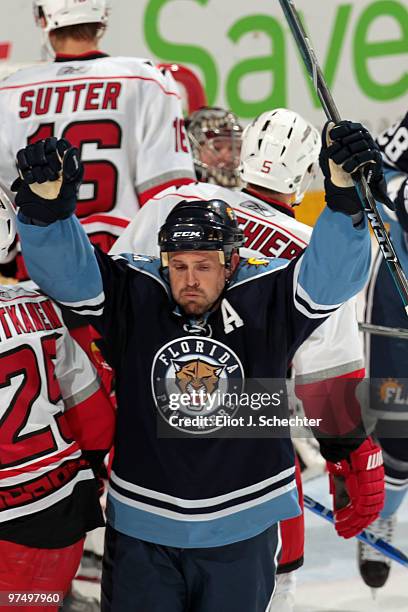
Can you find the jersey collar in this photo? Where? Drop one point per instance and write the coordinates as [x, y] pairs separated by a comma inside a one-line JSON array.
[[89, 55], [287, 209]]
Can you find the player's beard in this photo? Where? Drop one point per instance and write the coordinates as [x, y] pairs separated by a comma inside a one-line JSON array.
[[196, 306]]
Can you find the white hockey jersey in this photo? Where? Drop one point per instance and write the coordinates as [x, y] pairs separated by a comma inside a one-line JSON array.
[[334, 348], [51, 409], [125, 116]]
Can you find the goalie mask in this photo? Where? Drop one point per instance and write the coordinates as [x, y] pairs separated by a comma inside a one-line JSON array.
[[7, 226], [279, 152], [62, 13], [215, 139], [201, 225]]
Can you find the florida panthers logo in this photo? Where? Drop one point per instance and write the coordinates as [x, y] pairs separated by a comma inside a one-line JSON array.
[[192, 377], [197, 378]]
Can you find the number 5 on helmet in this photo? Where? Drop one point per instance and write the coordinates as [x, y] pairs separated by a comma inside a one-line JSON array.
[[50, 175]]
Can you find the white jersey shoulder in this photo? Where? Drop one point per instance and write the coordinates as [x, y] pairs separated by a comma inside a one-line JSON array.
[[44, 72], [268, 230]]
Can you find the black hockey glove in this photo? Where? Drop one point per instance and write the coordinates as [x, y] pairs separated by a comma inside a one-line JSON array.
[[347, 147], [401, 205], [50, 175]]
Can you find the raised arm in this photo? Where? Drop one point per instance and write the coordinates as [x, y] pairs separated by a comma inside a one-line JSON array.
[[61, 260], [336, 263], [57, 252]]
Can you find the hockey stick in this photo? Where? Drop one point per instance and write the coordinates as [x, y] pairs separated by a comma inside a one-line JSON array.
[[367, 201], [365, 536], [380, 330]]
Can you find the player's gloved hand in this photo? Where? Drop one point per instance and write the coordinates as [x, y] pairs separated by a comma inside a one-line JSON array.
[[346, 148], [50, 175], [357, 486], [401, 205]]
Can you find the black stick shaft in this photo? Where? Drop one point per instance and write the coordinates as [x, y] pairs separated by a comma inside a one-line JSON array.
[[380, 330], [367, 201]]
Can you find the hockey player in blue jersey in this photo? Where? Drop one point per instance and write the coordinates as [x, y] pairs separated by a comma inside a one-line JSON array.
[[193, 521], [387, 358]]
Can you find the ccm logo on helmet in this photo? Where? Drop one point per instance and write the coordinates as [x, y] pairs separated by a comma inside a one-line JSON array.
[[187, 235]]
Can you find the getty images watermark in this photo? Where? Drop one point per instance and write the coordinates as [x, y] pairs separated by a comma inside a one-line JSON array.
[[233, 413], [254, 401], [198, 398]]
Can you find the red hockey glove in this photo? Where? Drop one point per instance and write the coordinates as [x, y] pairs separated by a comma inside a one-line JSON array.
[[357, 486]]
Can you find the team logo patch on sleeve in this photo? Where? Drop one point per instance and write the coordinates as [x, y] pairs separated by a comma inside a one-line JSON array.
[[230, 213], [253, 261], [196, 377]]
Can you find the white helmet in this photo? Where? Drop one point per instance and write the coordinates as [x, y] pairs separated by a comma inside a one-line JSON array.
[[279, 152], [61, 13], [7, 225]]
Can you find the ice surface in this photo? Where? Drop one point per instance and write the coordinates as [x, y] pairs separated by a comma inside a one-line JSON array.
[[329, 581]]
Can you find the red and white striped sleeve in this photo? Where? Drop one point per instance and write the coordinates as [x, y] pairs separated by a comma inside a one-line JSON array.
[[89, 412]]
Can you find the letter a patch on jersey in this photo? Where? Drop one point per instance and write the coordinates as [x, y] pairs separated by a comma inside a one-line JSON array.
[[230, 317]]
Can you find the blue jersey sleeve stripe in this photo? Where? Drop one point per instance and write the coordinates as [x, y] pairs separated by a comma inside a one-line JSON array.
[[303, 302], [85, 309], [310, 312], [305, 297], [93, 303]]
